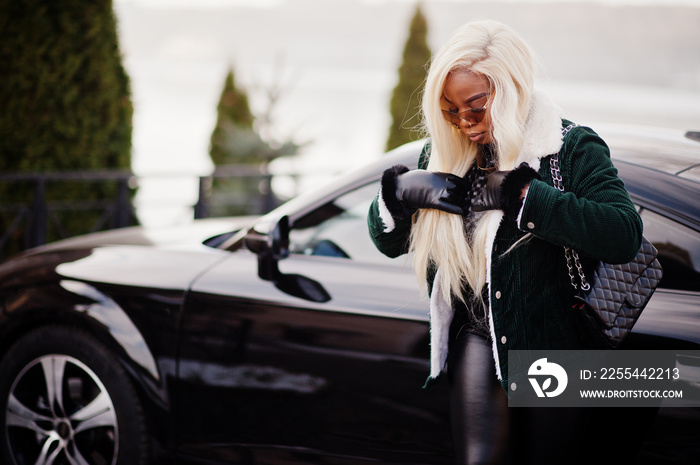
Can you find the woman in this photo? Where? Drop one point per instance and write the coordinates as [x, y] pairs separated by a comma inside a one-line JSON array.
[[488, 231]]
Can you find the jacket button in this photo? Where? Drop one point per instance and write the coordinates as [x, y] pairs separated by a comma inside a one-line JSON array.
[[498, 294], [530, 225], [504, 339], [513, 387]]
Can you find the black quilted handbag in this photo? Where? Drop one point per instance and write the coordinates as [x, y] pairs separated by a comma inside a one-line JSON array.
[[610, 304]]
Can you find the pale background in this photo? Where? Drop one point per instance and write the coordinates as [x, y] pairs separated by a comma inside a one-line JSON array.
[[632, 62]]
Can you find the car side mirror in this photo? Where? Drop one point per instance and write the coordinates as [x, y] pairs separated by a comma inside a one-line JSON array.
[[302, 287], [270, 242], [269, 238]]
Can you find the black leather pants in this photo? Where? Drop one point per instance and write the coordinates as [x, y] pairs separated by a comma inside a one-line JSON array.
[[478, 404], [486, 431]]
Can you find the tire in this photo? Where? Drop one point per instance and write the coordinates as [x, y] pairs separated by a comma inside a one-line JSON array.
[[65, 399]]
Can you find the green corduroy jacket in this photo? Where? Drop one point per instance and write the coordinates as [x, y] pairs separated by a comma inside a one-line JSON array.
[[529, 288]]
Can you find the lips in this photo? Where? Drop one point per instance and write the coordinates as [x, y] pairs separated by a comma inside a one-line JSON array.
[[476, 136]]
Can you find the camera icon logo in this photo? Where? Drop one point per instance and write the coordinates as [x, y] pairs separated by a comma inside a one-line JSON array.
[[546, 371]]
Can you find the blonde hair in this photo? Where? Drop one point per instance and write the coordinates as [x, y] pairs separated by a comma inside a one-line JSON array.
[[492, 50]]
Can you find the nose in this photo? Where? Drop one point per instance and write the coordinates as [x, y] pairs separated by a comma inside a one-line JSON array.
[[464, 119]]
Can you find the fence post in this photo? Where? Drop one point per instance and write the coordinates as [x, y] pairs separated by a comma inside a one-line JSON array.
[[201, 208], [38, 216], [121, 217], [268, 196]]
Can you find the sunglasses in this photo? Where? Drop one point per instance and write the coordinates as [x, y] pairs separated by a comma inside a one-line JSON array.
[[470, 115]]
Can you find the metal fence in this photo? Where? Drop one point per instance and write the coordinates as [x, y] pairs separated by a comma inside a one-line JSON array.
[[40, 218]]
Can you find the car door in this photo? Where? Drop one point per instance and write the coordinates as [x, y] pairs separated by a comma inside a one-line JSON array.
[[266, 376], [671, 319], [671, 322]]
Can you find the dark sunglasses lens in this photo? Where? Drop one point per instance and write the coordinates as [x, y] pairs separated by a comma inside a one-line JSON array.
[[474, 115]]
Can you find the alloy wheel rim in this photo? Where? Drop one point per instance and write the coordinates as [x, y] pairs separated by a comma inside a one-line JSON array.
[[59, 412]]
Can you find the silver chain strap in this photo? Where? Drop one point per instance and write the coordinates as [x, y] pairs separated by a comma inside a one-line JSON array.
[[572, 259]]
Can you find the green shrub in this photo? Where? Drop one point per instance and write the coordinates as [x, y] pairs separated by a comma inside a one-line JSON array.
[[66, 102]]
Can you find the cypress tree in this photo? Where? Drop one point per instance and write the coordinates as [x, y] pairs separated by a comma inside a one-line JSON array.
[[234, 141], [233, 117], [66, 101], [405, 99]]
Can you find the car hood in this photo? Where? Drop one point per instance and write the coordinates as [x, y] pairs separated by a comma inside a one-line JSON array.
[[151, 257], [191, 235]]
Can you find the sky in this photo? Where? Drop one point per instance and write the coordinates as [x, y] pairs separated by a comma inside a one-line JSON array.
[[335, 62]]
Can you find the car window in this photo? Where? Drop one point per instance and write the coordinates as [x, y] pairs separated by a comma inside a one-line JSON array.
[[679, 251], [339, 229]]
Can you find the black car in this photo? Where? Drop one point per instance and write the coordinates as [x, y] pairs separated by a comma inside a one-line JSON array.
[[284, 339]]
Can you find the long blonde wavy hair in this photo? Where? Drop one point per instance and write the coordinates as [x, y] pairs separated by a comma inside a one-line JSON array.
[[493, 50]]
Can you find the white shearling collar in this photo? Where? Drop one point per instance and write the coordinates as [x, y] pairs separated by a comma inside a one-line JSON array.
[[542, 131]]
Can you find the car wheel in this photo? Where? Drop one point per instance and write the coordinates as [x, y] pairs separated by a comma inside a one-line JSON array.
[[65, 399]]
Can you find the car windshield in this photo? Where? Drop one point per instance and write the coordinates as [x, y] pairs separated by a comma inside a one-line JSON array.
[[338, 228]]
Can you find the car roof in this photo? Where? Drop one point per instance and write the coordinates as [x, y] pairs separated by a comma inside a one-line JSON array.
[[667, 150]]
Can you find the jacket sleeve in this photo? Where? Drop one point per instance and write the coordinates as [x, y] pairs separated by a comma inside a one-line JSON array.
[[389, 233], [390, 224], [595, 216]]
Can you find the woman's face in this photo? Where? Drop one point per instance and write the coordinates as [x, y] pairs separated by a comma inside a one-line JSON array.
[[465, 104]]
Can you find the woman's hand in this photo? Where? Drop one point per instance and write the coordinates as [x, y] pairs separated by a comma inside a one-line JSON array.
[[426, 189], [504, 190]]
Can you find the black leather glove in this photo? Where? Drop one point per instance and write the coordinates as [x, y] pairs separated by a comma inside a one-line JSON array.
[[503, 190], [406, 191]]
